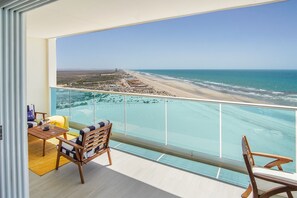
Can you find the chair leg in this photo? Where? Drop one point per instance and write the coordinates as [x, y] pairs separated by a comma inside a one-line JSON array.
[[58, 155], [247, 192], [81, 173], [289, 194], [109, 157], [58, 160]]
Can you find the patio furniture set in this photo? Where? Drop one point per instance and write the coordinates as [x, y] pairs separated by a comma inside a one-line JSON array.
[[92, 141]]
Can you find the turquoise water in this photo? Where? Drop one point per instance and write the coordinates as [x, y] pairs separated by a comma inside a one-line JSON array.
[[194, 126], [275, 86]]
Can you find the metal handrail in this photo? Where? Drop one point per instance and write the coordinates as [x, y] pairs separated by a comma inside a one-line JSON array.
[[182, 98]]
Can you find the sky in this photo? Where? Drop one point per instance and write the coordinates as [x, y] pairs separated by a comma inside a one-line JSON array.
[[260, 37]]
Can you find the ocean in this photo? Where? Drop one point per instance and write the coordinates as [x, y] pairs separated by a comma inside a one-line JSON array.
[[273, 86]]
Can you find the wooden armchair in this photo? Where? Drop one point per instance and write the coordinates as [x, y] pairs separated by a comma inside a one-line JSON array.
[[265, 179], [92, 142], [32, 116]]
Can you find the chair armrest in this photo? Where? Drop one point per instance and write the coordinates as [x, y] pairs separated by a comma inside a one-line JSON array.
[[70, 143], [282, 158], [41, 113], [37, 112]]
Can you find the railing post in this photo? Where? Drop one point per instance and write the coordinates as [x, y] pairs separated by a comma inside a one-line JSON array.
[[220, 130], [94, 106], [218, 173], [125, 115], [166, 127], [69, 100]]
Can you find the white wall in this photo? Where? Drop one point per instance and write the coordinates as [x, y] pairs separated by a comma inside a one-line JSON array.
[[37, 74]]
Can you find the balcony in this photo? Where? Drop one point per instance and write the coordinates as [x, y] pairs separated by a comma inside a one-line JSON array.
[[129, 176], [187, 147], [157, 139]]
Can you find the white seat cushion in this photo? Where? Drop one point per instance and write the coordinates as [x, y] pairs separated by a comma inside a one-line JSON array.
[[68, 149], [31, 124], [264, 185], [279, 175]]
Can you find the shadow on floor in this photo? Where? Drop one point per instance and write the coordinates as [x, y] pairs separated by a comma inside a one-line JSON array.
[[100, 181]]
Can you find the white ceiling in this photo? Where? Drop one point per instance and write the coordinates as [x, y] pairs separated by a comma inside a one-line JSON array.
[[68, 17]]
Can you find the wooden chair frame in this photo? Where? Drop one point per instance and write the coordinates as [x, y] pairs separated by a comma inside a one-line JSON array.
[[91, 140], [279, 160], [39, 113]]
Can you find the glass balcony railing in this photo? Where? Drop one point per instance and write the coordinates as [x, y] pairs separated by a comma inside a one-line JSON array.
[[213, 128]]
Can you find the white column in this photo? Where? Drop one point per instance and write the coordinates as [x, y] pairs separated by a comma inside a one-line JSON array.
[[52, 62], [51, 68]]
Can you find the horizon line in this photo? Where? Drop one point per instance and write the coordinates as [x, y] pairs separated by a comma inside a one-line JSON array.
[[93, 69]]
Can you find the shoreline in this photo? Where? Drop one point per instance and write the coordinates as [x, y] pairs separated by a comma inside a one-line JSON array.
[[179, 88]]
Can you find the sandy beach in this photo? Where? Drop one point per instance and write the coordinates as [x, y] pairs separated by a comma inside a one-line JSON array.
[[184, 89], [137, 82]]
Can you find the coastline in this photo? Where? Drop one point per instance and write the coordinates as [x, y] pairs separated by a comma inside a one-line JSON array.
[[180, 88]]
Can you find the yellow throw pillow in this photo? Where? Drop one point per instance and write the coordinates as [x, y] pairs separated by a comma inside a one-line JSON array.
[[59, 121]]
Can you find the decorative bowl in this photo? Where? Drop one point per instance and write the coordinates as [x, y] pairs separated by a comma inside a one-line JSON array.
[[45, 127]]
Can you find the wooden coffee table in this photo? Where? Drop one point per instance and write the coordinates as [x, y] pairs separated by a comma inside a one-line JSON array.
[[45, 135]]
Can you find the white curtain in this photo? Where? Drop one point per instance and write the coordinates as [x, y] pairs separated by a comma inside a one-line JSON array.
[[14, 182]]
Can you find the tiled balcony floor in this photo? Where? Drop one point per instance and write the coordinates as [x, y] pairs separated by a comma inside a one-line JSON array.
[[129, 176]]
